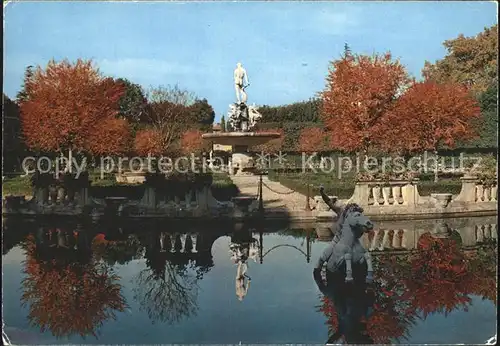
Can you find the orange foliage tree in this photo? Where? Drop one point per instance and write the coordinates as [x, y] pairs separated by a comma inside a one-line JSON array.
[[192, 142], [66, 296], [66, 107], [112, 138], [312, 139], [148, 141], [430, 115], [360, 92]]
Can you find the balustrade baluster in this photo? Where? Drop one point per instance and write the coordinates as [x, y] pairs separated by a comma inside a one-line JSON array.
[[173, 238], [183, 242], [374, 240], [479, 233], [479, 193], [385, 240], [194, 238]]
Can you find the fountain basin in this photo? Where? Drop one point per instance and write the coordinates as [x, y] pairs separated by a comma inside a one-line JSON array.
[[240, 138]]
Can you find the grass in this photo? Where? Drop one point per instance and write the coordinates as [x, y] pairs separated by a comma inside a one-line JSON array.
[[223, 188], [344, 187], [17, 186]]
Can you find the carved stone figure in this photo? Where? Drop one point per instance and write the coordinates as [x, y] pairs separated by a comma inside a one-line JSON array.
[[243, 118], [240, 83], [346, 246]]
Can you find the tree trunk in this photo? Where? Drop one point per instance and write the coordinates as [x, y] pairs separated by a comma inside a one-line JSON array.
[[436, 169], [70, 159]]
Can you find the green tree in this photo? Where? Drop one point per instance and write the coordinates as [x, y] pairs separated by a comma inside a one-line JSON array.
[[306, 111], [223, 124], [202, 114], [13, 145], [22, 95], [470, 60], [488, 123], [133, 101]]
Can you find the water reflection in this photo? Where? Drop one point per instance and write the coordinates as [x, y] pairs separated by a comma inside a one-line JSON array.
[[242, 248], [71, 286], [67, 291], [168, 288], [438, 278]]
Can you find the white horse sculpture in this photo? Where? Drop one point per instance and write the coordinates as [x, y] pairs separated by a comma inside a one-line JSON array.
[[346, 246]]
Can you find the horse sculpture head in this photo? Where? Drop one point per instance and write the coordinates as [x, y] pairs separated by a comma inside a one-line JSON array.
[[353, 216]]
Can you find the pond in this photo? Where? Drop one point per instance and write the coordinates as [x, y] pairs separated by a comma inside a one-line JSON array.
[[77, 283]]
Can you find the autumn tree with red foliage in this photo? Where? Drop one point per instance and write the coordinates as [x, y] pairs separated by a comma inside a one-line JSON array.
[[193, 143], [66, 107], [148, 141], [312, 139], [431, 115], [360, 92], [113, 137]]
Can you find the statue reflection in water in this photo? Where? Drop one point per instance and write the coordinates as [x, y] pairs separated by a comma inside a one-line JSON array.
[[353, 303], [242, 248]]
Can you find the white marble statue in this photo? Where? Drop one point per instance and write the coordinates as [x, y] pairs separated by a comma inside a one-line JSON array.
[[243, 118], [253, 116], [240, 83]]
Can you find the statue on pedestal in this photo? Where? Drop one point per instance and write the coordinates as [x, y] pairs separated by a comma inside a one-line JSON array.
[[242, 117]]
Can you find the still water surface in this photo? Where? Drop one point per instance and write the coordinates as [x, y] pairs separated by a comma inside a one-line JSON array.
[[75, 284]]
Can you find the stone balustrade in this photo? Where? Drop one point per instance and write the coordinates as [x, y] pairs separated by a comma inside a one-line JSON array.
[[401, 199], [392, 193], [405, 235]]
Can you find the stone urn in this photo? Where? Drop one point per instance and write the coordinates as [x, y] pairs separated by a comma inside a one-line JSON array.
[[442, 199]]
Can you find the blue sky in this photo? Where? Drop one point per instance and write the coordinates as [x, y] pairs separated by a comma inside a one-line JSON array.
[[285, 46]]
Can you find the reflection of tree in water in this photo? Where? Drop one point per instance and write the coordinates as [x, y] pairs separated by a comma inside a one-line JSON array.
[[168, 288], [437, 278], [67, 291]]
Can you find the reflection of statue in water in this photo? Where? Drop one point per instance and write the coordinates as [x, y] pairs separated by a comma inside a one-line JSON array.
[[353, 303], [240, 83], [240, 252]]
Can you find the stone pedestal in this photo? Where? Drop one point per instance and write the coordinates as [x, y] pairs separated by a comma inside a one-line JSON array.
[[242, 162], [468, 192], [361, 194]]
